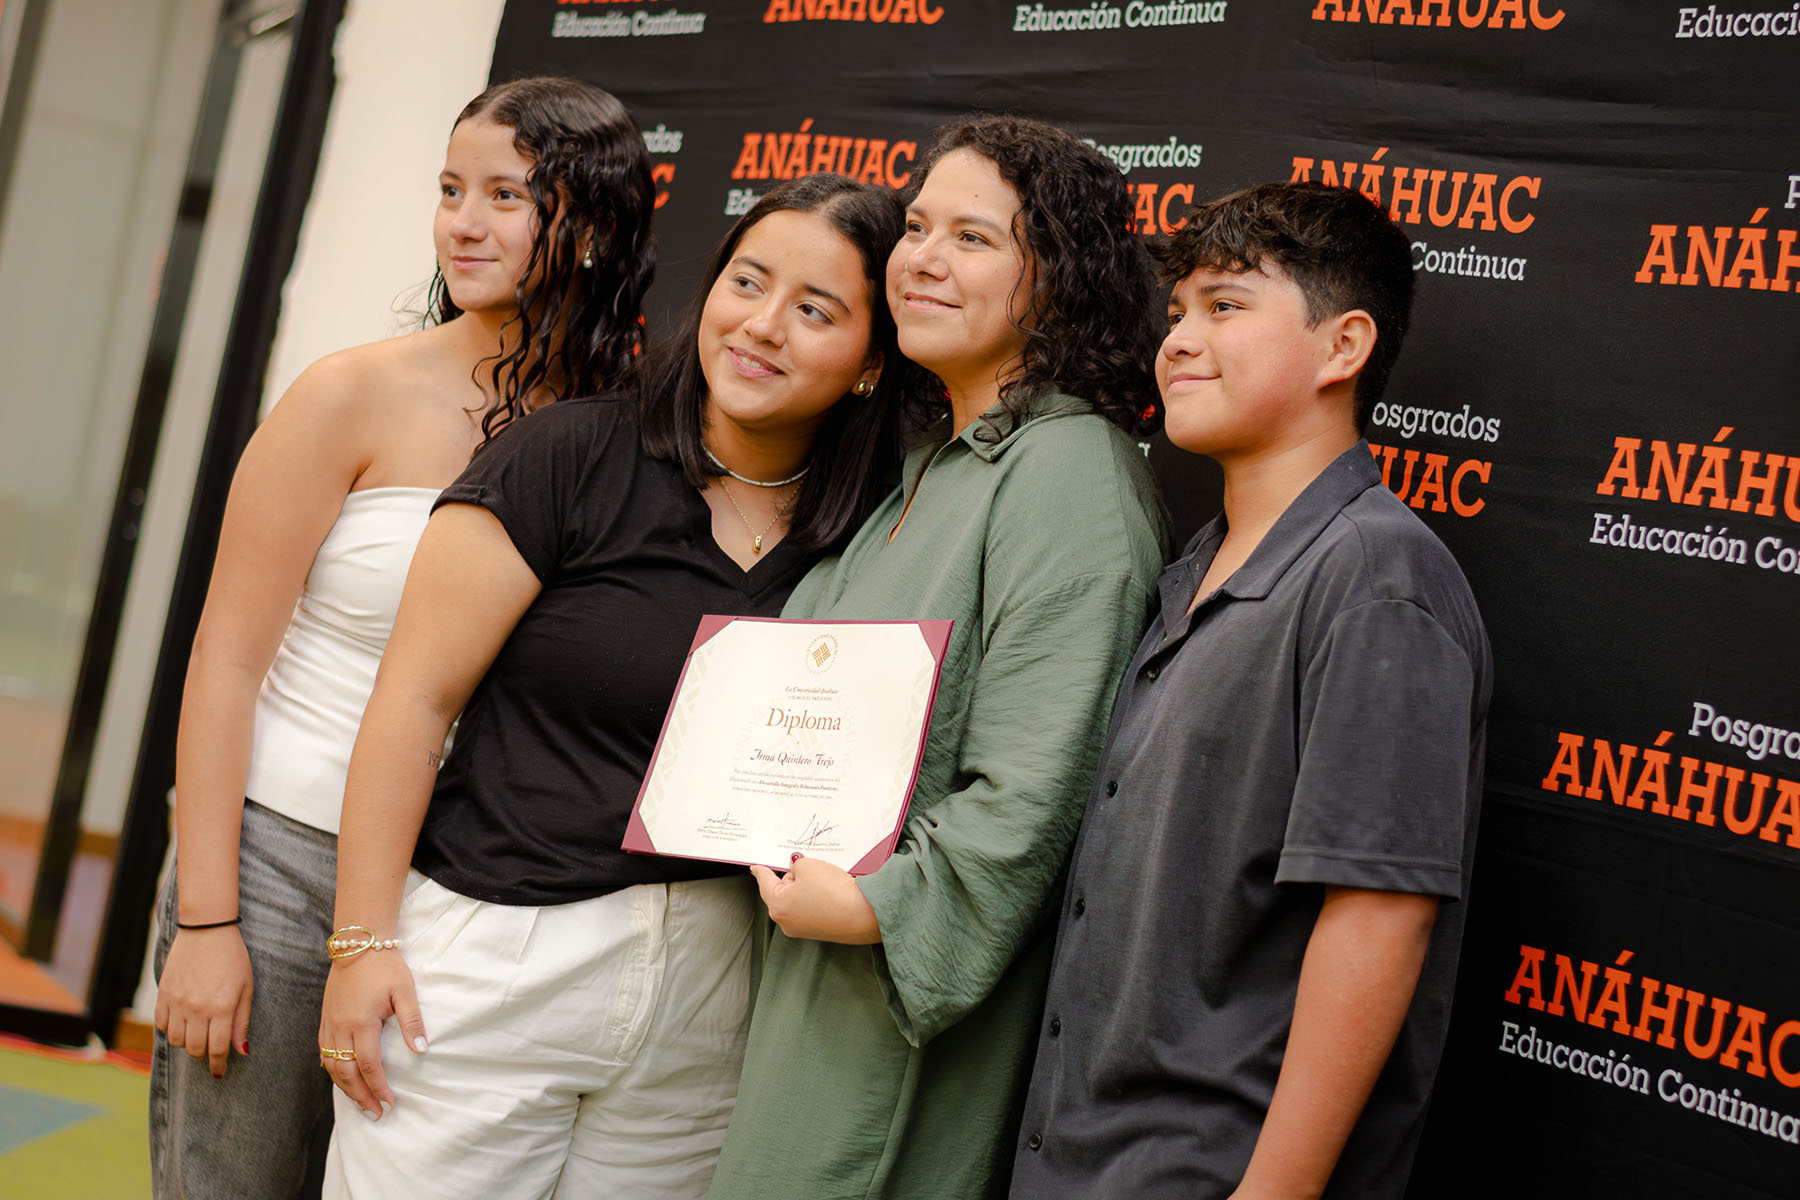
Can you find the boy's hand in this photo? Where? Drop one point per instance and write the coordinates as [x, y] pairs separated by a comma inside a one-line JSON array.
[[818, 901]]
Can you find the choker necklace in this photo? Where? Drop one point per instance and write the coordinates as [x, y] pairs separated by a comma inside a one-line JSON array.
[[796, 477]]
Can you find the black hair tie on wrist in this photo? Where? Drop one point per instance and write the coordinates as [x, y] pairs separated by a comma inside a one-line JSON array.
[[206, 924]]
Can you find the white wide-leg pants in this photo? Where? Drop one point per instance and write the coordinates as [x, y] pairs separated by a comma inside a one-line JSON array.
[[576, 1050]]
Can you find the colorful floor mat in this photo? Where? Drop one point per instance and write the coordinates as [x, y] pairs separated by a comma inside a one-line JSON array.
[[72, 1123]]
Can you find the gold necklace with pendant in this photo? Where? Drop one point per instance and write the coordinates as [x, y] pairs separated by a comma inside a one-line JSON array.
[[756, 536]]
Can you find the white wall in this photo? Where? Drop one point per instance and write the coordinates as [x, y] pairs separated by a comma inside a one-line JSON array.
[[365, 246]]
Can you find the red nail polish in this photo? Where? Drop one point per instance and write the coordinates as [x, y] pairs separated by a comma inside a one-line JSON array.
[[218, 1074], [244, 1047]]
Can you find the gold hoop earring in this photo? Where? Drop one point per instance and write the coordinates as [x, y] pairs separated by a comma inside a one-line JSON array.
[[864, 387]]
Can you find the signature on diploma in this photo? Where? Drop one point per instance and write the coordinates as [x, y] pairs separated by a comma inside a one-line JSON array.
[[814, 831]]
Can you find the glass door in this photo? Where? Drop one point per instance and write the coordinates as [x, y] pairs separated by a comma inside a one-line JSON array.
[[131, 157]]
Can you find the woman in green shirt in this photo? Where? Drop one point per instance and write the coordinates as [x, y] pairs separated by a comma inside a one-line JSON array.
[[896, 1013]]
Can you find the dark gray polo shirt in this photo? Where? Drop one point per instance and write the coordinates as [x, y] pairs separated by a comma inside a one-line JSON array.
[[1318, 720]]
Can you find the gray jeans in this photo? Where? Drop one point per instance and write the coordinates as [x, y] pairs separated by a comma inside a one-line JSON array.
[[261, 1132]]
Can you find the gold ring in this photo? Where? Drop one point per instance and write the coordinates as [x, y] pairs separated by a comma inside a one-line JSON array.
[[326, 1052]]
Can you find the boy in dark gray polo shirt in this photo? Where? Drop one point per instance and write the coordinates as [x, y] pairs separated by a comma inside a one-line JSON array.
[[1256, 951]]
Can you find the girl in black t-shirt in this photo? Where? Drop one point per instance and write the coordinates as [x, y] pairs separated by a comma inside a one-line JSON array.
[[586, 1008]]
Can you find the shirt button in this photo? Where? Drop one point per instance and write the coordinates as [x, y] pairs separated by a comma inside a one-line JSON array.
[[1055, 1026], [1112, 787], [1080, 905], [1152, 672], [1037, 1139]]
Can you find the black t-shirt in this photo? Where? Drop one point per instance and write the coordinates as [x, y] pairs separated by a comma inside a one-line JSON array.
[[532, 802]]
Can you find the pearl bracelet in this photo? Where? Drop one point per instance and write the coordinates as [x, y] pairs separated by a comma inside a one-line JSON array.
[[352, 940]]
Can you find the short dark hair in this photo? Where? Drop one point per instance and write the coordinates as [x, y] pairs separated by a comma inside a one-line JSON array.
[[859, 440], [1093, 281], [1340, 249], [579, 328]]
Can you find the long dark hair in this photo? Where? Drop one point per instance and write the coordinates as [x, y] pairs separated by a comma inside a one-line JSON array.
[[578, 329], [858, 441], [1090, 326]]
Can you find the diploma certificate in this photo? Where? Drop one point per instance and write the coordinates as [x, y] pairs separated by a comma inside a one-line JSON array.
[[791, 738]]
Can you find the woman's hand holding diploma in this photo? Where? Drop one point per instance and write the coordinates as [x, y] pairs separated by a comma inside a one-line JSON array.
[[818, 901]]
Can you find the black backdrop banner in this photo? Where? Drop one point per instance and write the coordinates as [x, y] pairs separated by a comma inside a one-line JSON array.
[[1596, 412]]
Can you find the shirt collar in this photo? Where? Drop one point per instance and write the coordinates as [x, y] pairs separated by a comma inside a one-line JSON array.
[[978, 434], [1348, 476]]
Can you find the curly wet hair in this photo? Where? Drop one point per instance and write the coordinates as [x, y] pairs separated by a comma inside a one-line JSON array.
[[578, 329], [1089, 325]]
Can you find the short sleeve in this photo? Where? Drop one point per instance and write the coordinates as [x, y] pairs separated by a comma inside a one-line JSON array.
[[1381, 798], [530, 477]]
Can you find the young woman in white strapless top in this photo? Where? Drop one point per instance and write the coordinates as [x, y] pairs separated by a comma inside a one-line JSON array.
[[543, 257]]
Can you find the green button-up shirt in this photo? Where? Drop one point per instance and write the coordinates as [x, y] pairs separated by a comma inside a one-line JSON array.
[[898, 1070]]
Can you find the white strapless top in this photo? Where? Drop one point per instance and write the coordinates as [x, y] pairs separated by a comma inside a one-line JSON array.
[[313, 697]]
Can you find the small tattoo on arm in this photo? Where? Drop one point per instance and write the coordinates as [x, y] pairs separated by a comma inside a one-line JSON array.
[[435, 759]]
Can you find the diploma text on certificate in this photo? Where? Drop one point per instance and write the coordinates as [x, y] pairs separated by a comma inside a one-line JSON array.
[[788, 719]]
